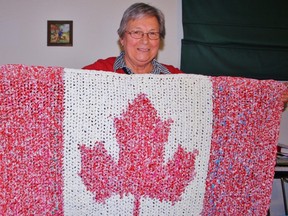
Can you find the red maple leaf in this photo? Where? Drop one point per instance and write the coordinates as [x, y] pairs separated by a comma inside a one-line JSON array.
[[140, 170]]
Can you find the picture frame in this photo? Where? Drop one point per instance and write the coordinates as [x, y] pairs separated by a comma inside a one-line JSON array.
[[59, 33]]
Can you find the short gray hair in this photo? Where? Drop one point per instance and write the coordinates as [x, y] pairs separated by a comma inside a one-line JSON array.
[[139, 10]]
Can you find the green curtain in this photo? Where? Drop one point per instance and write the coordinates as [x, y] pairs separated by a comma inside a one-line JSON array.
[[247, 38]]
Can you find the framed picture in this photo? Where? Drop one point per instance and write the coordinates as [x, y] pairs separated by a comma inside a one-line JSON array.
[[59, 33]]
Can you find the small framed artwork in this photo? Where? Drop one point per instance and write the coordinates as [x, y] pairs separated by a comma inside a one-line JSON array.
[[59, 33]]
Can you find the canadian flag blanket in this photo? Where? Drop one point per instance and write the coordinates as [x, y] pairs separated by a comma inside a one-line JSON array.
[[80, 142]]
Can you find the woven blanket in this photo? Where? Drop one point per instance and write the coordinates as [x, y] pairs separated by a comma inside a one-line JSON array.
[[80, 142]]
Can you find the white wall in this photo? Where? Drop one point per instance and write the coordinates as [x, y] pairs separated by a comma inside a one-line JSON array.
[[23, 37], [284, 128], [277, 202]]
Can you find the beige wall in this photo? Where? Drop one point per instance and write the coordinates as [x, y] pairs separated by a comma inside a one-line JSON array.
[[23, 37], [284, 128]]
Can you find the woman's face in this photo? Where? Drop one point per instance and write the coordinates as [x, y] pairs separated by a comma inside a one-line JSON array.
[[140, 52]]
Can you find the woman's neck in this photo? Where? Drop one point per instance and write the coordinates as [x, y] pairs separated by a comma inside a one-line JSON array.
[[145, 69]]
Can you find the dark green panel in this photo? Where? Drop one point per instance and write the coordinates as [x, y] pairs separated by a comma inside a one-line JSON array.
[[214, 60], [236, 35], [259, 13], [237, 38]]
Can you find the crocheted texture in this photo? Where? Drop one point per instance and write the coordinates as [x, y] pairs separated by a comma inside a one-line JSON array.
[[135, 145], [245, 134], [31, 140], [142, 150]]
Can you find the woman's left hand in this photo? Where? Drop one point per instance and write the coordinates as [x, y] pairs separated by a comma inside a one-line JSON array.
[[284, 97]]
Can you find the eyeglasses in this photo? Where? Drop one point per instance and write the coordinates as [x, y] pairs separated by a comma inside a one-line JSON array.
[[140, 34]]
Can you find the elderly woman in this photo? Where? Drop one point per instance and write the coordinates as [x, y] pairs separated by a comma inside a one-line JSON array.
[[141, 30]]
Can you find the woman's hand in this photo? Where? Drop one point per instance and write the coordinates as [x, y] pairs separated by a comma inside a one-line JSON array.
[[284, 97]]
